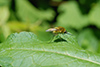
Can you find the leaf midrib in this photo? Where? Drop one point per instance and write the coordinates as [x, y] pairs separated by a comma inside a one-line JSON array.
[[42, 50]]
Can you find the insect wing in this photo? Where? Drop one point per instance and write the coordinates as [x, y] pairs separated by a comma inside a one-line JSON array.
[[51, 29]]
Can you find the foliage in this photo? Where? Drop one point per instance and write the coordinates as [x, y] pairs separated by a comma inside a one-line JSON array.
[[71, 10], [94, 15], [80, 17], [88, 41], [29, 13], [25, 50], [22, 16]]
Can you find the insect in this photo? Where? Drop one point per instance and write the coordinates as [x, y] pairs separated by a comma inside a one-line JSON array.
[[57, 30]]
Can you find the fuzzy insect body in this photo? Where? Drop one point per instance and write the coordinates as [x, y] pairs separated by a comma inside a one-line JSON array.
[[57, 30]]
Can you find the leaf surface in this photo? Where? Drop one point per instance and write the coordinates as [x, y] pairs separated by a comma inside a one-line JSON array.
[[71, 16], [94, 15], [29, 13], [25, 50]]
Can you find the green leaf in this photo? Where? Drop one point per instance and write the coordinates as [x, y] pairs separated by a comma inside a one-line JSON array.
[[94, 15], [25, 50], [71, 16], [2, 38], [99, 47], [28, 13], [4, 2], [87, 40], [4, 15], [38, 30]]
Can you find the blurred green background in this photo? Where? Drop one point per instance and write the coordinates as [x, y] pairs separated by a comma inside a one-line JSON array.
[[80, 17]]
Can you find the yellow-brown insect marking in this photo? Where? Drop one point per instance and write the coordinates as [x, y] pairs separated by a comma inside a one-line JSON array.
[[57, 30]]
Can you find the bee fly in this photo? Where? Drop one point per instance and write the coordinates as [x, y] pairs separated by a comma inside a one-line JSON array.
[[57, 30]]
